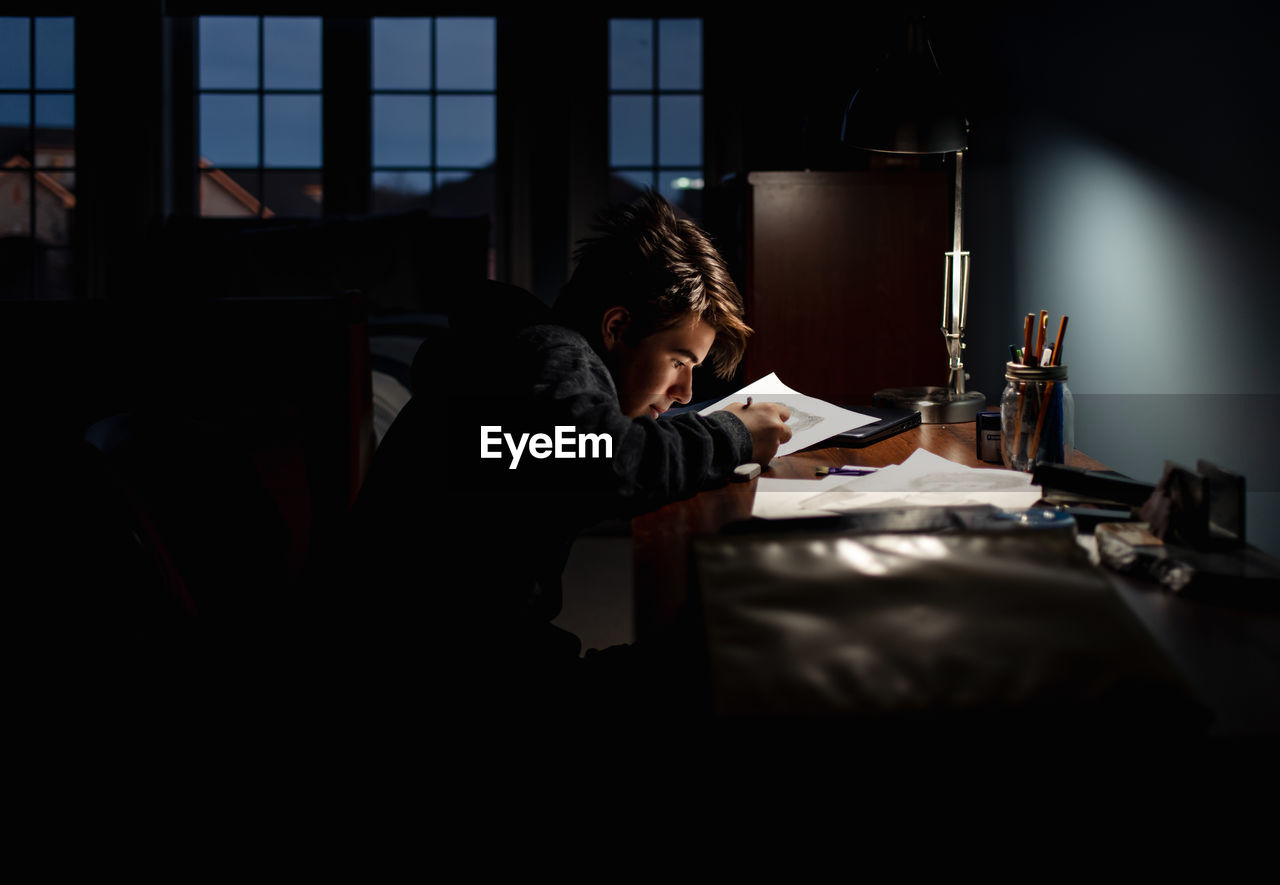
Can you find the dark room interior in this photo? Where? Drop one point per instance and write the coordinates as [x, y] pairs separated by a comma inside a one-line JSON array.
[[229, 228]]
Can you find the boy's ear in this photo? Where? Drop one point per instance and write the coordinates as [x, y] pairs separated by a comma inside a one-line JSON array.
[[613, 325]]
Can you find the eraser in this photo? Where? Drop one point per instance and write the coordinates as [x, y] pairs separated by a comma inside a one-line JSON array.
[[746, 472]]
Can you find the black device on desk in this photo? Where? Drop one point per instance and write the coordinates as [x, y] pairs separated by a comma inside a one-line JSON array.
[[1079, 483], [890, 421], [1092, 497]]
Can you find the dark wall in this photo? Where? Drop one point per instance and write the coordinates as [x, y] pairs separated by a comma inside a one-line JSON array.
[[1131, 184], [1121, 171]]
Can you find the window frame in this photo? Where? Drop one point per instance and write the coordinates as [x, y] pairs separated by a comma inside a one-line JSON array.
[[226, 174], [656, 92], [34, 172], [433, 93]]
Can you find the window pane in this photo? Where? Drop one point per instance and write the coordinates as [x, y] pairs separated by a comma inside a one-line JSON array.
[[393, 191], [291, 53], [625, 185], [55, 111], [53, 212], [57, 163], [15, 204], [450, 178], [229, 194], [291, 130], [55, 53], [465, 53], [466, 130], [680, 53], [293, 194], [15, 53], [228, 52], [402, 53], [680, 130], [55, 141], [15, 134], [675, 180], [401, 130], [630, 53], [15, 111], [683, 188], [229, 129], [463, 194], [630, 130]]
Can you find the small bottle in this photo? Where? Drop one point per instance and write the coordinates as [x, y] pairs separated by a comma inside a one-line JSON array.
[[989, 437], [1037, 416]]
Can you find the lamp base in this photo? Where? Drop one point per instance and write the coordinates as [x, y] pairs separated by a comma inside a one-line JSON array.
[[936, 405]]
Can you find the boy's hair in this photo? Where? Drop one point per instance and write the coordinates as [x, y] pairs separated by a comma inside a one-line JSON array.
[[660, 268]]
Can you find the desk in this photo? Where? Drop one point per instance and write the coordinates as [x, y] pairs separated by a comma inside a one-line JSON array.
[[661, 538], [1229, 656]]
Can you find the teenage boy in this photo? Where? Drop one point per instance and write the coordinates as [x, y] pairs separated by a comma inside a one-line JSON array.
[[543, 425]]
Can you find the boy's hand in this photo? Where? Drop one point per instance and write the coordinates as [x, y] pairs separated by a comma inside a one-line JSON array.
[[766, 423]]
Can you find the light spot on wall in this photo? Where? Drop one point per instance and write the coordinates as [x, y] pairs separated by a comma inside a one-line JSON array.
[[1161, 283]]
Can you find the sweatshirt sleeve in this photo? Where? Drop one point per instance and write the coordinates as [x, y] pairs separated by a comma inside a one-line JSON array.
[[651, 461]]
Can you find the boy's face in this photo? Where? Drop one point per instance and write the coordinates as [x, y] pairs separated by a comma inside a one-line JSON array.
[[657, 372]]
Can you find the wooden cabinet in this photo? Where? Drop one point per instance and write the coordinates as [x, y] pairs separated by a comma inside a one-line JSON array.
[[844, 279]]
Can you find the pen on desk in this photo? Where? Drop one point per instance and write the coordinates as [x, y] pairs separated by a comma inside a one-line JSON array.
[[845, 471]]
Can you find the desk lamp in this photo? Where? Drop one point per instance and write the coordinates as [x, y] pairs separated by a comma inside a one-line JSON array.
[[907, 109]]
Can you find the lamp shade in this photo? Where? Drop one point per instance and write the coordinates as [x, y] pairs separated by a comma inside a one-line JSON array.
[[906, 107]]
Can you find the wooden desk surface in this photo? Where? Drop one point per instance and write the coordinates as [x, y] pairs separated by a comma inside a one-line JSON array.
[[662, 538], [1230, 656]]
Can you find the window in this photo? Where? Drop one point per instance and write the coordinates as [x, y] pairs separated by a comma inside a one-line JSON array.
[[433, 107], [260, 115], [655, 109], [37, 155]]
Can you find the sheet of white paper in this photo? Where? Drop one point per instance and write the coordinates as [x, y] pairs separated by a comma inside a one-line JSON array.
[[921, 467], [812, 420], [923, 480], [784, 498], [843, 500], [929, 480]]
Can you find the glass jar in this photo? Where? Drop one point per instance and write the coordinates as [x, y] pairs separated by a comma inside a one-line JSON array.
[[1037, 416]]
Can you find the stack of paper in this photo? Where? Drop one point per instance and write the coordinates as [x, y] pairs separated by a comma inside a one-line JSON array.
[[923, 480]]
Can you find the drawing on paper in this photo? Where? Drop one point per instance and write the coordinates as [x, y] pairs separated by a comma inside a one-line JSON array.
[[800, 421], [983, 480]]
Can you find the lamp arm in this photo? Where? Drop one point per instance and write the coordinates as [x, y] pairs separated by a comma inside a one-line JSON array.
[[955, 299]]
